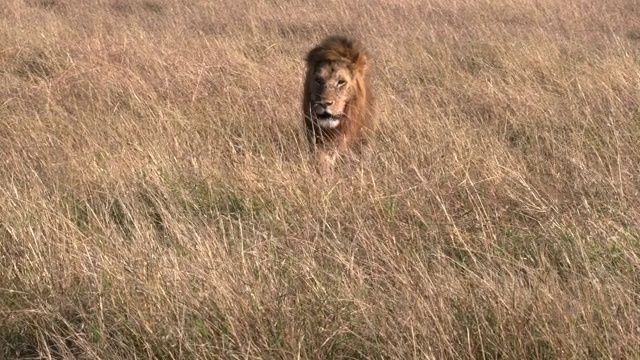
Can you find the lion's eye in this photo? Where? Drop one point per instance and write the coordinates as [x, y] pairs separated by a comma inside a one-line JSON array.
[[341, 82]]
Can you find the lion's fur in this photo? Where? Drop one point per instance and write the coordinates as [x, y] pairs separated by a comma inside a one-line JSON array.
[[356, 122]]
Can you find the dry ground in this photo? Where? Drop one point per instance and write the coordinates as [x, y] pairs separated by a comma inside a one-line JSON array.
[[156, 199]]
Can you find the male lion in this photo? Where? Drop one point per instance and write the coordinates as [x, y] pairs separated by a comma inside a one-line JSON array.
[[337, 102]]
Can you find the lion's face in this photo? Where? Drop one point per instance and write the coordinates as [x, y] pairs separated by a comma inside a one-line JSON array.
[[331, 88]]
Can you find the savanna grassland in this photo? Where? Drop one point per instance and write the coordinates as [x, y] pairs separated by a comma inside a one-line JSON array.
[[157, 200]]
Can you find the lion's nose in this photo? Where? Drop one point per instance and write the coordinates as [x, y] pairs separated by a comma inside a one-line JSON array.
[[324, 103]]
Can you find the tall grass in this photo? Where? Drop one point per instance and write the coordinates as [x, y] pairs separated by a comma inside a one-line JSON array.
[[157, 201]]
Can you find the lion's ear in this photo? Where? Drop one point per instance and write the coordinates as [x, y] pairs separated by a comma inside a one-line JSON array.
[[361, 62]]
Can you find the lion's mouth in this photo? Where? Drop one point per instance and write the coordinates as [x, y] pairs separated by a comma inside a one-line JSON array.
[[325, 118], [327, 115], [328, 121]]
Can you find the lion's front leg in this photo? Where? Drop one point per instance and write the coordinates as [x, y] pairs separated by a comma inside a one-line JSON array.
[[325, 160]]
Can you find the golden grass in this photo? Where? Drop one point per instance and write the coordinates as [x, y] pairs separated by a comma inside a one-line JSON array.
[[156, 199]]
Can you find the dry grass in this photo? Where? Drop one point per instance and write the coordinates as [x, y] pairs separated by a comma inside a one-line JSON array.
[[156, 200]]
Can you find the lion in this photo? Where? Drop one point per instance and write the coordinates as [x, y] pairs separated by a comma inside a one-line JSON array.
[[337, 102]]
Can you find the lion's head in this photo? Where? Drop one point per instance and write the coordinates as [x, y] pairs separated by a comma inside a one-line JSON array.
[[336, 93]]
